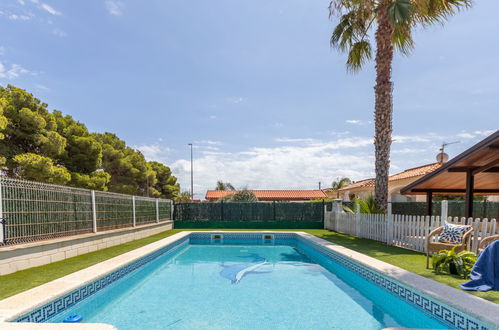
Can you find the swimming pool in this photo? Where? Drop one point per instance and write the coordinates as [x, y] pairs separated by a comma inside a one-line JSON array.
[[243, 281]]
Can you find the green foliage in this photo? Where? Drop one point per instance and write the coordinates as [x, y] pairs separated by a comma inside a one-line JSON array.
[[463, 261], [97, 180], [226, 198], [356, 18], [340, 183], [130, 173], [166, 185], [320, 200], [36, 144], [224, 186], [183, 197], [243, 196], [367, 205], [39, 168]]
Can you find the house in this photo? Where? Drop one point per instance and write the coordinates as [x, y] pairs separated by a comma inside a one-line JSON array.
[[365, 188], [272, 195], [475, 171]]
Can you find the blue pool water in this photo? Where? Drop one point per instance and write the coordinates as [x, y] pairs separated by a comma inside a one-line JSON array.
[[238, 285]]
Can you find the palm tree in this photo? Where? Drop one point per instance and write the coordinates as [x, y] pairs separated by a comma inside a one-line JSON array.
[[394, 21], [224, 186], [340, 183]]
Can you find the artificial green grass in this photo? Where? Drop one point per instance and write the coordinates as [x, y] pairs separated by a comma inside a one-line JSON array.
[[29, 278], [409, 260]]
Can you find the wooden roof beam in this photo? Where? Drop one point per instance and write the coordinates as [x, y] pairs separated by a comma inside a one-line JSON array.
[[493, 169], [486, 167]]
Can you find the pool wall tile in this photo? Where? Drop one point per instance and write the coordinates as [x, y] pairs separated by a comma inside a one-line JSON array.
[[432, 307]]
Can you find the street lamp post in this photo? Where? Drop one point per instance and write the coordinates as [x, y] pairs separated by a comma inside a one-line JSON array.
[[192, 180]]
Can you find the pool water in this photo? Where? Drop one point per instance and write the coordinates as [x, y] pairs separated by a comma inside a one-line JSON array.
[[247, 286]]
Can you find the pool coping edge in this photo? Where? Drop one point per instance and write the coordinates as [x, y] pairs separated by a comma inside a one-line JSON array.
[[15, 306]]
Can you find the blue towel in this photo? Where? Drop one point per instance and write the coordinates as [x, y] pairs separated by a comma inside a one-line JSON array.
[[485, 273]]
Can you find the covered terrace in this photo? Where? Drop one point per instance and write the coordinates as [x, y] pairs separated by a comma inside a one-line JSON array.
[[473, 172]]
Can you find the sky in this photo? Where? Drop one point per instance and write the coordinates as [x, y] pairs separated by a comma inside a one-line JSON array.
[[253, 85]]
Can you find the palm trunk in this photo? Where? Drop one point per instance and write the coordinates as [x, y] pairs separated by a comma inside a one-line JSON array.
[[383, 106]]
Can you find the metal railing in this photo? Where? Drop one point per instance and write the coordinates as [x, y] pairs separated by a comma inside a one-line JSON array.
[[33, 211]]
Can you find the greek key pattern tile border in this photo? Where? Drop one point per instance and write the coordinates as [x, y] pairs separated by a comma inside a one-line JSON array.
[[448, 315], [47, 311]]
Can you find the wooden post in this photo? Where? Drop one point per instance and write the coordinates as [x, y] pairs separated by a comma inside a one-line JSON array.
[[444, 212], [429, 203], [389, 224], [468, 207], [357, 221]]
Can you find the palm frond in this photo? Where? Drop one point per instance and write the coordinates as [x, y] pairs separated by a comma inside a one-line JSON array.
[[428, 12], [360, 52], [400, 11], [402, 38]]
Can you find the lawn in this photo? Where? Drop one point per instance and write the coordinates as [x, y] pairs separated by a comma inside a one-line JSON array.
[[406, 259]]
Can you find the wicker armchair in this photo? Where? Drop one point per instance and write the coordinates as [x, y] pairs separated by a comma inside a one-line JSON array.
[[486, 241], [435, 247]]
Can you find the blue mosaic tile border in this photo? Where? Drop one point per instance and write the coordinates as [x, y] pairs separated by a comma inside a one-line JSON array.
[[438, 310], [47, 311], [431, 307]]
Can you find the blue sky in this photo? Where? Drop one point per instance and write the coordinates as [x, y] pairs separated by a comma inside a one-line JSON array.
[[253, 84]]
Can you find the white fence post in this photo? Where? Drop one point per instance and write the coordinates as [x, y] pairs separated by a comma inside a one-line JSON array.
[[2, 224], [389, 224], [172, 208], [157, 210], [357, 221], [444, 213], [133, 211], [94, 212]]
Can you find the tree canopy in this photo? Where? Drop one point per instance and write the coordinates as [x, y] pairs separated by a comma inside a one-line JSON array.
[[224, 186], [40, 145]]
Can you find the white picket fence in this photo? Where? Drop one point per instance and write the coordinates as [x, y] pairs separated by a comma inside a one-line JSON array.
[[407, 231]]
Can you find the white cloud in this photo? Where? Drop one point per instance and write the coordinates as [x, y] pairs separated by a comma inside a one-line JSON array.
[[114, 7], [285, 167], [154, 152], [408, 151], [42, 87], [49, 9], [484, 132], [413, 138], [14, 72], [209, 142], [21, 2], [59, 33], [465, 135], [16, 17], [235, 100], [350, 142], [354, 121], [213, 117]]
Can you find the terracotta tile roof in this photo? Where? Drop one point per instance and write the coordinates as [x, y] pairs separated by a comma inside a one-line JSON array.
[[416, 171], [359, 184], [271, 195], [409, 173]]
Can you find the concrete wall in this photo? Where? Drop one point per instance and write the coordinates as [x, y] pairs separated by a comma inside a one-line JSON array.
[[21, 256]]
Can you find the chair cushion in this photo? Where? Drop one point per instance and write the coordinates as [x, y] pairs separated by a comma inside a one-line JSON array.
[[453, 233]]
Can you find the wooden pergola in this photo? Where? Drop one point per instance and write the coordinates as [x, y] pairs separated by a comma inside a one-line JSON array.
[[475, 171]]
